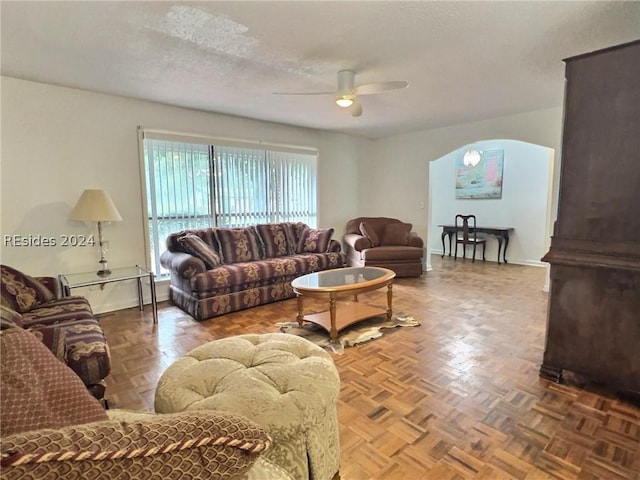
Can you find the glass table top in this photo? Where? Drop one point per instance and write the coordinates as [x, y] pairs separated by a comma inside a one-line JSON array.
[[340, 277], [92, 278]]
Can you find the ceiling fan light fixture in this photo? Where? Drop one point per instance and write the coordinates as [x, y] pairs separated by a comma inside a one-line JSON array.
[[344, 101], [347, 95]]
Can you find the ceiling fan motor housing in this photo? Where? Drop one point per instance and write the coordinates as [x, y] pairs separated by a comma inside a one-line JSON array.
[[346, 81]]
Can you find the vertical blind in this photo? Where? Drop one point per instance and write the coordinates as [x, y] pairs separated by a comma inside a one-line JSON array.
[[195, 185]]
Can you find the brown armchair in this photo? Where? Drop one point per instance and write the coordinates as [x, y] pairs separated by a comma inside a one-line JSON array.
[[384, 242]]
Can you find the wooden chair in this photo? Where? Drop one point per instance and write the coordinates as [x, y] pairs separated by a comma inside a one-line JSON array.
[[466, 235]]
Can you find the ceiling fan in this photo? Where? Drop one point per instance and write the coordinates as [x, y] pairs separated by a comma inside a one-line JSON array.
[[347, 93]]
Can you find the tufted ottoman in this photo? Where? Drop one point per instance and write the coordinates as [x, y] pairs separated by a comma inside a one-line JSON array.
[[283, 382]]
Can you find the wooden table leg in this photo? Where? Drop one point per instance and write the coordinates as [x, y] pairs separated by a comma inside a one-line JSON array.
[[300, 312], [389, 301], [333, 334]]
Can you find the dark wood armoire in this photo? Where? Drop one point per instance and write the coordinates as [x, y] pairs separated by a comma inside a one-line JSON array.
[[593, 325]]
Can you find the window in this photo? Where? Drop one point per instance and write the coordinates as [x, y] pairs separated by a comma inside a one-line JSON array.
[[190, 184]]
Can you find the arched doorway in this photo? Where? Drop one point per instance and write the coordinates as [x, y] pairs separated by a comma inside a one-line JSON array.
[[525, 203]]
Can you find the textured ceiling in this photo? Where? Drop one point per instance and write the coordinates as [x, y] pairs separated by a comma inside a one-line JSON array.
[[464, 61]]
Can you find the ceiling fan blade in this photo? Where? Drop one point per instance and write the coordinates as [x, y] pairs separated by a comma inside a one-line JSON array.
[[303, 93], [356, 108], [372, 88]]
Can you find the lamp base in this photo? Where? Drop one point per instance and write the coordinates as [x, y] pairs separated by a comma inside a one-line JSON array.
[[104, 270]]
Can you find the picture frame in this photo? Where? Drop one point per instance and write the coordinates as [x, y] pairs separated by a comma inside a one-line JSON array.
[[482, 180]]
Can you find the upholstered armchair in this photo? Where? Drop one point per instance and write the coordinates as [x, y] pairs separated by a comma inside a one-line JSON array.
[[51, 427], [384, 242], [66, 325]]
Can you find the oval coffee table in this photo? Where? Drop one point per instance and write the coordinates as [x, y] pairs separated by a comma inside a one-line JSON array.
[[331, 284]]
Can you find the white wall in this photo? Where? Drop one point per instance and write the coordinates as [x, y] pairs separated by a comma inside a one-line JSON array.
[[395, 177], [524, 204], [58, 141]]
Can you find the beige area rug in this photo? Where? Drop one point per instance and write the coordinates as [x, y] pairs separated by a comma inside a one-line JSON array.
[[360, 332]]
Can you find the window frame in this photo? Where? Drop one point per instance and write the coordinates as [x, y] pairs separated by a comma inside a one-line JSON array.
[[211, 143]]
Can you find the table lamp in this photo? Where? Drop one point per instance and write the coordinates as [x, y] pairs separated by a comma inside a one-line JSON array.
[[96, 205]]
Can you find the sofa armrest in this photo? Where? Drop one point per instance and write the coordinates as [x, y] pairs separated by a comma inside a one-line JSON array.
[[357, 242], [53, 284], [182, 264], [415, 240], [334, 246], [208, 444]]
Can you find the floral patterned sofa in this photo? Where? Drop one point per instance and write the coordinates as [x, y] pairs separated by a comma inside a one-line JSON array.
[[66, 325], [220, 270]]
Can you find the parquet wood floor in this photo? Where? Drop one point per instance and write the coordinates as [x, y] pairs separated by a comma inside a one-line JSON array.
[[457, 398]]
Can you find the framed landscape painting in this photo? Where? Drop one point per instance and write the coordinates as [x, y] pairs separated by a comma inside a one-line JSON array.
[[483, 180]]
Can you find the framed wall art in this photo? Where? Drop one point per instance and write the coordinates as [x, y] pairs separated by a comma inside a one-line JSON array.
[[479, 174]]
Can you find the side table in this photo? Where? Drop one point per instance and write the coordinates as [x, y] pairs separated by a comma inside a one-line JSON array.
[[87, 279]]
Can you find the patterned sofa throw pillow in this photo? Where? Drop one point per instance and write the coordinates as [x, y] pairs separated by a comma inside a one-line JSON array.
[[315, 240], [295, 230], [275, 239], [38, 390], [21, 292], [238, 244], [367, 231], [197, 247], [396, 234]]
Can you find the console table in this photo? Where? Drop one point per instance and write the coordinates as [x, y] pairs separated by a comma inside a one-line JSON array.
[[77, 280], [500, 233]]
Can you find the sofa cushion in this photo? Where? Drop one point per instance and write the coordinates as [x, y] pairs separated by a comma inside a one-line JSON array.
[[392, 253], [244, 275], [197, 247], [21, 292], [277, 239], [38, 390], [203, 444], [314, 240], [396, 234], [368, 231], [238, 244], [67, 309], [87, 352], [238, 277]]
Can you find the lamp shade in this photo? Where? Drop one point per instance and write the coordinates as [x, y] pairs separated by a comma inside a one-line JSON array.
[[95, 205]]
